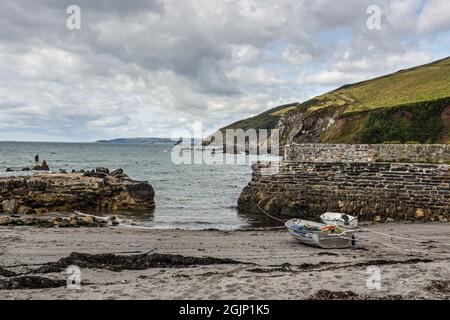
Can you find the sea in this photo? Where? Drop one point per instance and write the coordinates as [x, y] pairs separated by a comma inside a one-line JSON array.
[[188, 196]]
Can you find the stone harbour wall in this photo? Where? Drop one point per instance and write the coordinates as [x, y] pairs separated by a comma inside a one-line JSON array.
[[409, 153], [370, 190]]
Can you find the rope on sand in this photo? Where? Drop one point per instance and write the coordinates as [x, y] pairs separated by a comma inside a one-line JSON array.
[[402, 238], [359, 228], [270, 216]]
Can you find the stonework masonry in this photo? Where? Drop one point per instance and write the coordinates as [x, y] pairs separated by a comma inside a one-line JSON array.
[[409, 153], [363, 180]]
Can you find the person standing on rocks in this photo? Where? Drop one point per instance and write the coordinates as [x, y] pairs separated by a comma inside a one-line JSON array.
[[36, 158]]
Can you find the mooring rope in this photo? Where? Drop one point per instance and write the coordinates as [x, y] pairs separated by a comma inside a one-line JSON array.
[[359, 228], [402, 238], [267, 214]]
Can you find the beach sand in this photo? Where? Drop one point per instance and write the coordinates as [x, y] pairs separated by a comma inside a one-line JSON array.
[[279, 268]]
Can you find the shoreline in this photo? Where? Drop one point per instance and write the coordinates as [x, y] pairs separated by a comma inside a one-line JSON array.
[[270, 264]]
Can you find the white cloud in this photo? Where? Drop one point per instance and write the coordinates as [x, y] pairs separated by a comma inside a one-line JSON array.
[[331, 78], [435, 16], [147, 67], [295, 55]]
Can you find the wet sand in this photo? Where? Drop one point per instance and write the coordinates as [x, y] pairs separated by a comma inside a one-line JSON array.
[[276, 267]]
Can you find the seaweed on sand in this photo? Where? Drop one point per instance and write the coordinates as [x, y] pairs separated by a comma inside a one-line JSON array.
[[118, 263]]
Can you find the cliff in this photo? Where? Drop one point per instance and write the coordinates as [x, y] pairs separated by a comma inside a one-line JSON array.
[[409, 106], [96, 191]]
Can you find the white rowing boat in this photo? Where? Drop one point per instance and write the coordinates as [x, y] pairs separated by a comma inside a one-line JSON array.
[[339, 219], [319, 235]]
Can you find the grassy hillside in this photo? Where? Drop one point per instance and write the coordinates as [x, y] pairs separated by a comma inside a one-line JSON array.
[[423, 83], [408, 105], [265, 120]]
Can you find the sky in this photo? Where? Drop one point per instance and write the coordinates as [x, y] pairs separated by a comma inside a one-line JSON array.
[[147, 68]]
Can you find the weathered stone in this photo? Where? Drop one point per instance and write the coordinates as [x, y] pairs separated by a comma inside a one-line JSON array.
[[56, 221], [10, 206], [41, 167], [102, 170], [4, 221], [73, 220], [24, 210], [51, 192], [419, 213], [409, 153], [364, 189], [116, 172], [87, 220]]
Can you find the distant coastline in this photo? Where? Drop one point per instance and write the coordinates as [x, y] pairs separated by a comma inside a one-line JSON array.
[[143, 141]]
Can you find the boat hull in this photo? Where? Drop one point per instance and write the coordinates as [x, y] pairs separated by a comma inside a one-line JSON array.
[[336, 219], [319, 239]]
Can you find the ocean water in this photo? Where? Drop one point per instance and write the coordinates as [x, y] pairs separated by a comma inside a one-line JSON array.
[[187, 196]]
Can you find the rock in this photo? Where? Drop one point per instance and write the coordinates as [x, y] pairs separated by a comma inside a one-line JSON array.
[[100, 175], [74, 221], [10, 206], [4, 221], [24, 210], [26, 169], [116, 172], [389, 220], [64, 223], [122, 177], [41, 167], [32, 221], [112, 220], [9, 170], [56, 221], [62, 171], [377, 219], [419, 213], [66, 193], [102, 170], [87, 220]]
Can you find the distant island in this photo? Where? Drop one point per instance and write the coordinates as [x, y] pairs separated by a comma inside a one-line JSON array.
[[143, 141]]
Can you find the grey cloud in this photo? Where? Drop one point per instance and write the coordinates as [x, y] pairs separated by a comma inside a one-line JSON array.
[[145, 67]]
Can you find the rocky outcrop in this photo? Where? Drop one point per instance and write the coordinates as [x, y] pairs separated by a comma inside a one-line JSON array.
[[92, 191], [74, 221], [41, 167]]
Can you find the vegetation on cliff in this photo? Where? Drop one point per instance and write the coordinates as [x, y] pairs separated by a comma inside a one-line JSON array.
[[410, 105]]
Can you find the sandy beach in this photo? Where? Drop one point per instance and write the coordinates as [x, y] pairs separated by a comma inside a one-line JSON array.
[[269, 264]]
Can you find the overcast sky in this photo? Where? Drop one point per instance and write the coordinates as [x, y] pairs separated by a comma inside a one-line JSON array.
[[147, 67]]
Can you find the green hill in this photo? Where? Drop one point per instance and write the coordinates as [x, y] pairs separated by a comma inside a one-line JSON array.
[[410, 105]]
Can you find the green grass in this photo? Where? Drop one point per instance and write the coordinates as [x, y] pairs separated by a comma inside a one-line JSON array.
[[265, 120], [413, 123], [423, 83], [429, 82]]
